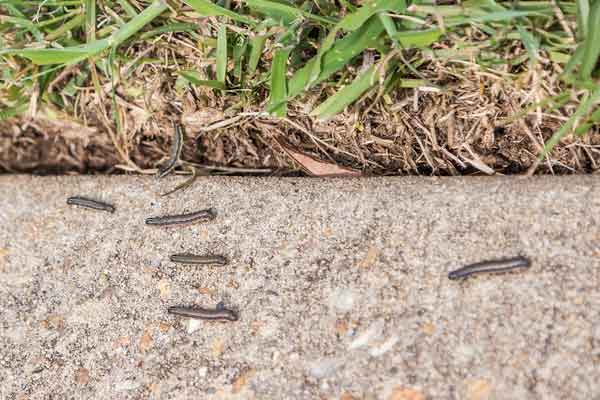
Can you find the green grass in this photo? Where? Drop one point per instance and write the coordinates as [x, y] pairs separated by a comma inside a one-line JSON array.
[[293, 48]]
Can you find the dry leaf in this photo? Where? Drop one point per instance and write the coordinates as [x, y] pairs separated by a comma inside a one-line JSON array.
[[315, 167], [400, 393], [163, 326], [145, 341], [346, 396]]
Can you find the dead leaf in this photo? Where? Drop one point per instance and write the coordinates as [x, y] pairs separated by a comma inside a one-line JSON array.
[[315, 167], [242, 380], [146, 341], [82, 376], [327, 232], [401, 393], [370, 258], [346, 396]]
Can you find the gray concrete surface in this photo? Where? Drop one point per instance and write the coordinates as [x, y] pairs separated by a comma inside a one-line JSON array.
[[341, 286]]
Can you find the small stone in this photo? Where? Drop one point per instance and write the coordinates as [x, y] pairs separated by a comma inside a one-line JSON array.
[[122, 341], [163, 327], [217, 347], [146, 341], [202, 371], [342, 299], [370, 258], [56, 322], [341, 327], [241, 381], [155, 262], [479, 389], [203, 290], [82, 376], [428, 328], [233, 284], [204, 233], [385, 347], [372, 333], [152, 387], [401, 393], [323, 368], [127, 385], [164, 288], [193, 325]]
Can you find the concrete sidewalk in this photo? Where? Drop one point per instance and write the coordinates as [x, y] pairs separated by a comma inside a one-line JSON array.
[[341, 286]]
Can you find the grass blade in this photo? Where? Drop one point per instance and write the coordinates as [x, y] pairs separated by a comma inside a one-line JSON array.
[[531, 44], [90, 20], [137, 23], [71, 24], [352, 22], [341, 53], [222, 54], [70, 55], [592, 42], [283, 12], [206, 7], [239, 51], [257, 45], [277, 101], [128, 8], [16, 13], [194, 78], [174, 27], [347, 95], [583, 109], [583, 12], [418, 39], [389, 25], [594, 119]]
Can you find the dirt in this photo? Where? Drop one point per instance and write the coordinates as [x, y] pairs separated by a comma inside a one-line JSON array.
[[467, 129]]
